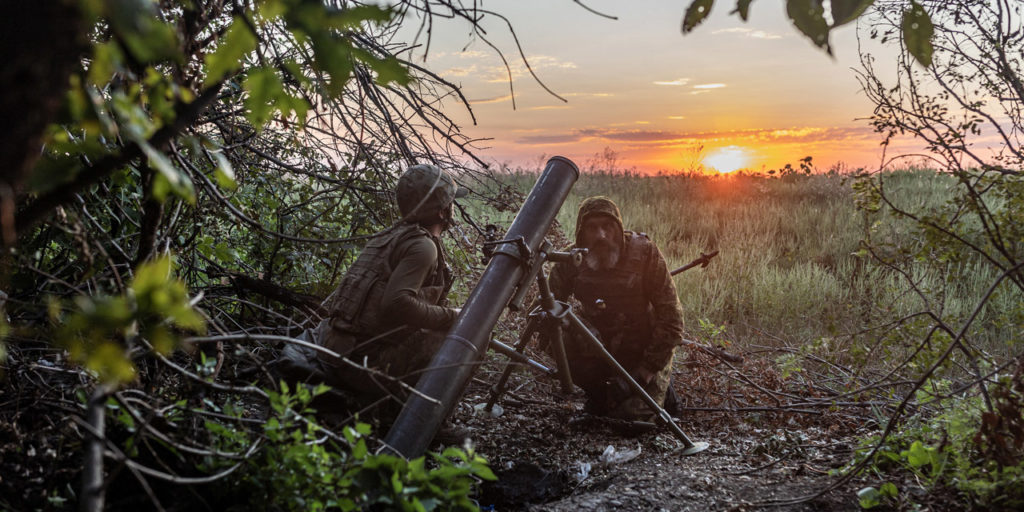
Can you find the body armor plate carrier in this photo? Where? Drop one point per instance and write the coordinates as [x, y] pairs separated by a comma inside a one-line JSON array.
[[615, 301], [356, 305]]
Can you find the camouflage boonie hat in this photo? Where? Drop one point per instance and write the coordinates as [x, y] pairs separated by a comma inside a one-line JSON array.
[[597, 205], [424, 189]]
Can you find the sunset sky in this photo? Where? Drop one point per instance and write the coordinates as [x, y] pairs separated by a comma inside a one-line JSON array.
[[756, 94]]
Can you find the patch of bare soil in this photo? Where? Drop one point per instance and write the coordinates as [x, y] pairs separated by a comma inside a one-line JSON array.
[[551, 456]]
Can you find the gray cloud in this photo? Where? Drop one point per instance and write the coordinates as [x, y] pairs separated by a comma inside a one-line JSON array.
[[540, 140], [495, 99]]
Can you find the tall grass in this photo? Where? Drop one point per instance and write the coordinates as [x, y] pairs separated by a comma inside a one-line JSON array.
[[790, 268]]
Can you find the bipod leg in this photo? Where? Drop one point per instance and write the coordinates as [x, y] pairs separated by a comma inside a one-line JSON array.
[[499, 387], [564, 375], [690, 447], [519, 357]]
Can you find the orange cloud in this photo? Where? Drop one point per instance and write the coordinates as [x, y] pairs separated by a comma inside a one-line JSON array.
[[668, 138], [495, 99]]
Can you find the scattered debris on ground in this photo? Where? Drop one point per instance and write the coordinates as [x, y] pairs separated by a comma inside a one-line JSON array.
[[550, 455]]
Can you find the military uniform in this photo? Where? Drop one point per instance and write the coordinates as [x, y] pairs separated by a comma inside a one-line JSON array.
[[634, 310], [389, 311]]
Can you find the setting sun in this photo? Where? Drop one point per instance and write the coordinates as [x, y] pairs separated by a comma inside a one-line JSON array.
[[727, 159]]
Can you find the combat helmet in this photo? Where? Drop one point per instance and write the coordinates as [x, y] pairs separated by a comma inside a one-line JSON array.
[[423, 190]]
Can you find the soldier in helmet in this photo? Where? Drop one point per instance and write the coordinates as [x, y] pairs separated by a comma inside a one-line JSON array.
[[628, 298], [389, 311]]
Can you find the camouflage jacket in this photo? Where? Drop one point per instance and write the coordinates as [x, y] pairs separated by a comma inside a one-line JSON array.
[[634, 305]]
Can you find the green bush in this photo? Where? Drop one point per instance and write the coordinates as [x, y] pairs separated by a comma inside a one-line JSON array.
[[963, 447], [298, 466]]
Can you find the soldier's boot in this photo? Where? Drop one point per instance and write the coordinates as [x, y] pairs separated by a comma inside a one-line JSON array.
[[297, 364], [672, 404]]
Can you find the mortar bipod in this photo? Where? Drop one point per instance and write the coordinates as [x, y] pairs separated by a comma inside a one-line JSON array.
[[538, 320]]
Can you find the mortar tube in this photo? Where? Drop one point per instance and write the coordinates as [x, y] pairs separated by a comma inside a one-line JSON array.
[[444, 380]]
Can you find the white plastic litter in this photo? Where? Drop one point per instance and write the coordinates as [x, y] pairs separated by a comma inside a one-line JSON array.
[[580, 472], [613, 456], [496, 411]]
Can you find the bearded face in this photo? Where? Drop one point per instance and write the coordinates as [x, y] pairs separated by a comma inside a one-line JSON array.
[[602, 236]]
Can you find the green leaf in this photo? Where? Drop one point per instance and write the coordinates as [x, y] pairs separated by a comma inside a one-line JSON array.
[[869, 497], [110, 361], [918, 455], [743, 8], [175, 179], [133, 122], [162, 340], [161, 188], [106, 59], [224, 173], [295, 70], [265, 92], [808, 16], [696, 13], [482, 471], [297, 105], [889, 490], [917, 33], [151, 275], [353, 17], [145, 36], [390, 70], [158, 295], [359, 450], [270, 10], [845, 11], [161, 100], [237, 43], [334, 56], [225, 254], [396, 482], [205, 246]]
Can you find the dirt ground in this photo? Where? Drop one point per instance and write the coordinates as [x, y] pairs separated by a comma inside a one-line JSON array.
[[551, 456]]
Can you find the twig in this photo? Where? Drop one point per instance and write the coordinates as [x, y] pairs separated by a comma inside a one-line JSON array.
[[92, 469]]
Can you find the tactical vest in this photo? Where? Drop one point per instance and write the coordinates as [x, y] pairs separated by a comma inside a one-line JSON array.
[[356, 305], [615, 301]]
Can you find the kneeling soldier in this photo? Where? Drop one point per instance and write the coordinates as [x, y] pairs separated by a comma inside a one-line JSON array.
[[389, 311], [629, 299]]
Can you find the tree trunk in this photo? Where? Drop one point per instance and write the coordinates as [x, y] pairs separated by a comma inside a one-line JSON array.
[[42, 43]]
